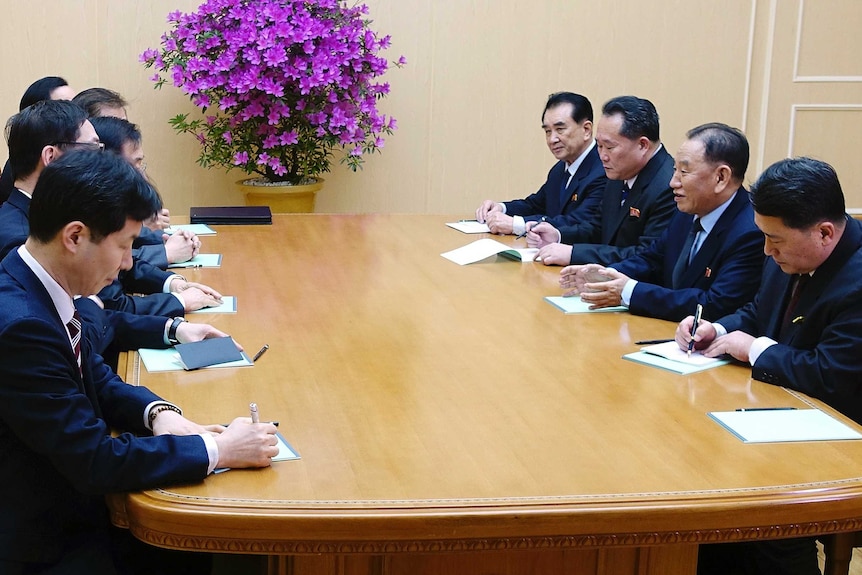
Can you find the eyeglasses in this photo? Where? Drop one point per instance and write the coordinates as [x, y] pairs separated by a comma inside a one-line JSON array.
[[95, 146]]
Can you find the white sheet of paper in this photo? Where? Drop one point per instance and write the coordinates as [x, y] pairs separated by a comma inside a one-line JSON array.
[[485, 248], [670, 350], [197, 229], [575, 304], [228, 306], [671, 365], [779, 425], [156, 360], [470, 227], [200, 261]]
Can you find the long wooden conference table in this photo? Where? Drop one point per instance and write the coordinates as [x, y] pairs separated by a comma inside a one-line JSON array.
[[449, 420]]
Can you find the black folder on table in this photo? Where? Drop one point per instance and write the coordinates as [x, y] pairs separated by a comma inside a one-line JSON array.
[[207, 352], [231, 215]]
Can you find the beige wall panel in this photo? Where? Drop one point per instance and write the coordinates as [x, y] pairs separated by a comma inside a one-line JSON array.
[[823, 133], [830, 19], [468, 103]]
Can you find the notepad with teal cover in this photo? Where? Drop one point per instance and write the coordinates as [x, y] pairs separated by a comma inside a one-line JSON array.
[[200, 261], [670, 357], [158, 360], [196, 229], [783, 425], [575, 304], [228, 305]]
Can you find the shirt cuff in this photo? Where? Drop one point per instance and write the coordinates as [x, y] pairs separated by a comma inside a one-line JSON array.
[[518, 225], [626, 295], [212, 451], [502, 206], [166, 287], [758, 346], [720, 330]]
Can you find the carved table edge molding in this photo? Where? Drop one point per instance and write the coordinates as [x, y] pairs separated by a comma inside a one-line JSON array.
[[275, 547]]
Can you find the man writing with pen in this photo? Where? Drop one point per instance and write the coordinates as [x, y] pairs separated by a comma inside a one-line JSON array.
[[803, 330]]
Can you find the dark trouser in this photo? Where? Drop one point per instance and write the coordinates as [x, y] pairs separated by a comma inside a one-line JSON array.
[[778, 557], [115, 552]]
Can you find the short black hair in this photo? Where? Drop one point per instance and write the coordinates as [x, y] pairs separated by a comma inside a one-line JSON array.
[[581, 107], [100, 190], [114, 132], [723, 144], [41, 90], [42, 124], [94, 100], [801, 191], [640, 117]]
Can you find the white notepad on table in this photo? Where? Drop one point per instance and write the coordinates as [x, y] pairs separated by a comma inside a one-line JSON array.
[[669, 356], [780, 425], [470, 227], [575, 304], [485, 248]]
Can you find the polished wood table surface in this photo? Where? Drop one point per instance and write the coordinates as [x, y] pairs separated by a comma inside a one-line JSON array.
[[451, 420]]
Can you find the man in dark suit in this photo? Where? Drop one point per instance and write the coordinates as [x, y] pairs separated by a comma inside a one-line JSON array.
[[35, 133], [804, 328], [710, 253], [637, 202], [572, 192], [59, 402], [38, 135]]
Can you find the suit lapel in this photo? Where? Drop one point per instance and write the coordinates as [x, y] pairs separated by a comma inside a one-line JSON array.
[[40, 297], [699, 267]]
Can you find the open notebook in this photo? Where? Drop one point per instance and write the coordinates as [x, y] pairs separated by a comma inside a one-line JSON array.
[[669, 356], [485, 248]]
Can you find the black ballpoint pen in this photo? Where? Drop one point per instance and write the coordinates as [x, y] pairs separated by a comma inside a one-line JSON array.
[[652, 341], [698, 312], [766, 409], [526, 229]]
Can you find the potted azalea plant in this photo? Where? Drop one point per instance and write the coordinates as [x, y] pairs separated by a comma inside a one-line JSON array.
[[282, 86]]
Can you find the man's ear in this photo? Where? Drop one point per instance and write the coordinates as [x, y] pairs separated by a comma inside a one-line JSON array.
[[827, 232], [73, 234], [49, 154]]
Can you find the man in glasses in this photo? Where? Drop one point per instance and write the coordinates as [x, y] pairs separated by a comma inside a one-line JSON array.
[[40, 135]]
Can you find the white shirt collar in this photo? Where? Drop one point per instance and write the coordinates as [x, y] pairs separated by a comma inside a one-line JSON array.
[[573, 167], [62, 300]]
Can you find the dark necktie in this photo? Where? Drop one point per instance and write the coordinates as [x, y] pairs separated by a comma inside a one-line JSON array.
[[74, 327], [565, 184], [687, 254], [797, 285], [625, 194]]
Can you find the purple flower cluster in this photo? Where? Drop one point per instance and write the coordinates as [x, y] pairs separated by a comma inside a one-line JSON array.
[[282, 82]]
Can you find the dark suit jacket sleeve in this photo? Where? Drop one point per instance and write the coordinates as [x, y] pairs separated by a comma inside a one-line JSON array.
[[657, 218], [586, 212], [42, 406], [127, 331], [144, 278], [737, 269], [153, 254], [161, 304]]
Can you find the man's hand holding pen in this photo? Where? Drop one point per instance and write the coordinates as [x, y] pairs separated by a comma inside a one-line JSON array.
[[736, 344]]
